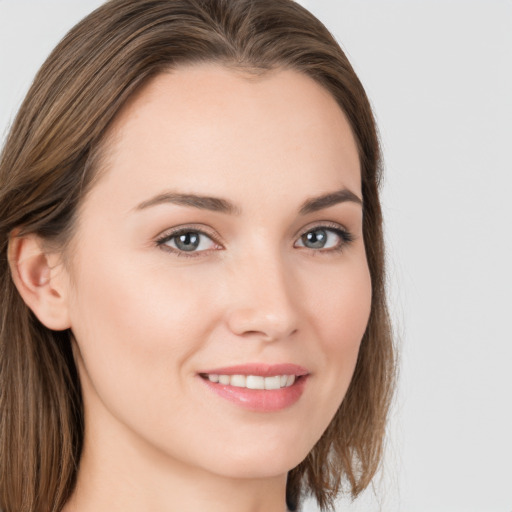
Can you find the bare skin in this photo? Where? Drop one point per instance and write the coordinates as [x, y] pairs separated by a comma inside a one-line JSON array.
[[268, 282]]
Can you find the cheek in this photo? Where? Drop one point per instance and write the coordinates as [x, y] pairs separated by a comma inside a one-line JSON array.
[[342, 307], [133, 303], [340, 316], [136, 330]]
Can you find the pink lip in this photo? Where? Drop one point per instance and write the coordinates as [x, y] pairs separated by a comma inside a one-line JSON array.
[[260, 400], [261, 369]]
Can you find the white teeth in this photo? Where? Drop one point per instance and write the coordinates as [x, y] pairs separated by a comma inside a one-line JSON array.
[[224, 379], [290, 380], [238, 381], [253, 381], [273, 382]]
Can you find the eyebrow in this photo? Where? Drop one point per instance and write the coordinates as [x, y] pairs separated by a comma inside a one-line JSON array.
[[216, 204], [326, 200]]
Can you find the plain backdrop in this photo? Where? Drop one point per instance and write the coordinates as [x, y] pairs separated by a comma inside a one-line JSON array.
[[439, 75]]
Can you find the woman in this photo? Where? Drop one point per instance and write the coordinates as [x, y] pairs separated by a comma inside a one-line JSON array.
[[193, 308]]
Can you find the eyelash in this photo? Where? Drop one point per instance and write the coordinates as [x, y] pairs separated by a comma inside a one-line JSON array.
[[345, 239]]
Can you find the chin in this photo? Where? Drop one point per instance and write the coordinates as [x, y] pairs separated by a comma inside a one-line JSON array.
[[259, 459]]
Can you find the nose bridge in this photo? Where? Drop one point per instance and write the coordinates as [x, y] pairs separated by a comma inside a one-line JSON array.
[[262, 297]]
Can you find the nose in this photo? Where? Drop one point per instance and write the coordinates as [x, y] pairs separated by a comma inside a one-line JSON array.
[[262, 298]]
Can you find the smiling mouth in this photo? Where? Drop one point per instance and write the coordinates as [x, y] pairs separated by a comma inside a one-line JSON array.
[[252, 381], [258, 387]]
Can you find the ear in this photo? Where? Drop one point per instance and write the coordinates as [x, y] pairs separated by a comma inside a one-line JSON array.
[[41, 279]]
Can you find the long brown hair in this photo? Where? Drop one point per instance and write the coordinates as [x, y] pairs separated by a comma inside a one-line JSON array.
[[48, 163]]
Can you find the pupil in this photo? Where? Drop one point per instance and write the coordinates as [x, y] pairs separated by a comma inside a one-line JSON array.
[[315, 239], [187, 241]]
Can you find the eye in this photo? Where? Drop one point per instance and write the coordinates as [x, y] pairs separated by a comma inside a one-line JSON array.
[[187, 241], [324, 237]]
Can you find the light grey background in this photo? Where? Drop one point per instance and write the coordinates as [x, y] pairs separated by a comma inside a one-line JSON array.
[[439, 76]]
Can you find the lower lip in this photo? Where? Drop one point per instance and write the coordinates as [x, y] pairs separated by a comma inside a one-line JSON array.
[[260, 400]]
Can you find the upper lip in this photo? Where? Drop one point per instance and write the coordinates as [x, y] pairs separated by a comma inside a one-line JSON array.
[[260, 369]]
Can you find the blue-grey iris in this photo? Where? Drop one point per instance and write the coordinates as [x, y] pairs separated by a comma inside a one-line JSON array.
[[187, 241], [315, 239]]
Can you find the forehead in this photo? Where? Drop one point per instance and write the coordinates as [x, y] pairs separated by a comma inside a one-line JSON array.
[[207, 127]]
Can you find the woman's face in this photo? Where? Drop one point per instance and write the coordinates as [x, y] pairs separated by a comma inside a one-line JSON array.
[[223, 237]]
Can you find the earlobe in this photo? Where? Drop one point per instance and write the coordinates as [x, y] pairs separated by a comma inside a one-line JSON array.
[[40, 279]]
